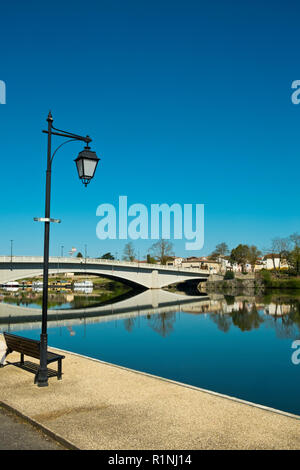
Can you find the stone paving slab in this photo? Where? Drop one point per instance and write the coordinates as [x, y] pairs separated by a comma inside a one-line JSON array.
[[101, 406]]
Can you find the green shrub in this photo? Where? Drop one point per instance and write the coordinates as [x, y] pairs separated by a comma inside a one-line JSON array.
[[229, 275], [279, 283], [266, 277]]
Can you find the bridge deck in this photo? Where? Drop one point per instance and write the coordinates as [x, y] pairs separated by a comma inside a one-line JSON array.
[[98, 262]]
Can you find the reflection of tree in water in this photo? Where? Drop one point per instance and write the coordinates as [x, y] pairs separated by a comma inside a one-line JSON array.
[[246, 318], [287, 326], [162, 323], [222, 321], [129, 324]]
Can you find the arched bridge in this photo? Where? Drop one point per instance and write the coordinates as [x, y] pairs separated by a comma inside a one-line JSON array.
[[148, 276]]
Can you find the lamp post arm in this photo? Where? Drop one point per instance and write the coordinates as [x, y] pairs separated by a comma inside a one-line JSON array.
[[72, 137], [86, 139]]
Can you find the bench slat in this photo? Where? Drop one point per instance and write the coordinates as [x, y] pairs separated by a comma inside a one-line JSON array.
[[28, 347], [19, 344], [24, 348]]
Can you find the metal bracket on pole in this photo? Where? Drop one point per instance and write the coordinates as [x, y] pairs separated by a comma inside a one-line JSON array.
[[44, 219]]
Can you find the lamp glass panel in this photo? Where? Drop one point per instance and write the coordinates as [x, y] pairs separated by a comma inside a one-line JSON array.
[[79, 164], [89, 167]]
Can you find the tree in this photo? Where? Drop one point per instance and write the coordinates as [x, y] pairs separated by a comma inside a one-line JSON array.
[[253, 255], [107, 256], [150, 259], [79, 255], [293, 259], [239, 255], [295, 238], [220, 250], [162, 250], [280, 247], [129, 253]]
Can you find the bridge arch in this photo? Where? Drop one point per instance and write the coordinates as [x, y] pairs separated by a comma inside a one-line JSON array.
[[16, 276]]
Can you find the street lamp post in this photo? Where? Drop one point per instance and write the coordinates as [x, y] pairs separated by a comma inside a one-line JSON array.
[[11, 254], [86, 163]]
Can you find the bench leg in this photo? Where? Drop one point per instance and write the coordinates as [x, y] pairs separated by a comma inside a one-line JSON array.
[[22, 359]]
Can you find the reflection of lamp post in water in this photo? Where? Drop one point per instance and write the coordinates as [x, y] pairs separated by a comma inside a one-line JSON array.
[[86, 163], [72, 333]]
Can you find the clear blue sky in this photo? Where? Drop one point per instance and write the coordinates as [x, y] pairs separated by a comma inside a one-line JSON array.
[[186, 102]]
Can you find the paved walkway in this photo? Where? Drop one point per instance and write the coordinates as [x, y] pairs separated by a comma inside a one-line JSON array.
[[101, 406], [17, 434]]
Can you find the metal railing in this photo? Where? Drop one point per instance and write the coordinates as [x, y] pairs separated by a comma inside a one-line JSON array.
[[97, 261]]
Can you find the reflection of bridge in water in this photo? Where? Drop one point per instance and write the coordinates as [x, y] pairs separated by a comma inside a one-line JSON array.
[[14, 318]]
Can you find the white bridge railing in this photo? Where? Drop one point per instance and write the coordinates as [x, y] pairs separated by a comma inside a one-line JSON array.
[[98, 261]]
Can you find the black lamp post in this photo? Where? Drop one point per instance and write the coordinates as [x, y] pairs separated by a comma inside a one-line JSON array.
[[86, 163]]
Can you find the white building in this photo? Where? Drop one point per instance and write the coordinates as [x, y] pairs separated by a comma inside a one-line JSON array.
[[174, 261], [273, 261]]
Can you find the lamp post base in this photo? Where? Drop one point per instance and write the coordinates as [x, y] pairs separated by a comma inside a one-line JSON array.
[[41, 378]]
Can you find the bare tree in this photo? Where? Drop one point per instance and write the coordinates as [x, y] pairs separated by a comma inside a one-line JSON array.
[[220, 250], [281, 247], [162, 250], [129, 253], [295, 238]]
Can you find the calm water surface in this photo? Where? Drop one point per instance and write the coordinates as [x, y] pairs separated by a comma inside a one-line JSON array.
[[241, 348]]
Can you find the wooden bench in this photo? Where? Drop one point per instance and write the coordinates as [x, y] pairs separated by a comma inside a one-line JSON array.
[[30, 347]]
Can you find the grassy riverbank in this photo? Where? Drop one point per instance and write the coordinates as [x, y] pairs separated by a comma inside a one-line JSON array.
[[279, 280], [252, 283]]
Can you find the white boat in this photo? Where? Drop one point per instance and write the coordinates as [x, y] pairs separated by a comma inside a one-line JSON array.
[[37, 284], [11, 286], [86, 284], [84, 290], [37, 289]]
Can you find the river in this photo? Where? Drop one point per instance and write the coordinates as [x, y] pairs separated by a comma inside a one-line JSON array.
[[245, 347]]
